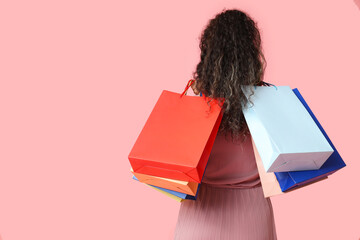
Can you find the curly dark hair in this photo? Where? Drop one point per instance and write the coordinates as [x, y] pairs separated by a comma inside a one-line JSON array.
[[231, 58]]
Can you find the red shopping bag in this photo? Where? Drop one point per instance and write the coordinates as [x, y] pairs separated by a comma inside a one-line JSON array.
[[177, 138]]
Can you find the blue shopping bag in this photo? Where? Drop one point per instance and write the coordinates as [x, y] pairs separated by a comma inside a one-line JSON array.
[[291, 180]]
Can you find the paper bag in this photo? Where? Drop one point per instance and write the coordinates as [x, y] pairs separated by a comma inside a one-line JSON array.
[[289, 180], [284, 133], [177, 138], [268, 180], [178, 196], [189, 188]]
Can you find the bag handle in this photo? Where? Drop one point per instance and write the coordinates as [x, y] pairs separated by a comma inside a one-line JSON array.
[[190, 82], [267, 84]]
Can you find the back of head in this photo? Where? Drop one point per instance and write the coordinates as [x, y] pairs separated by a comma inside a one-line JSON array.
[[231, 57]]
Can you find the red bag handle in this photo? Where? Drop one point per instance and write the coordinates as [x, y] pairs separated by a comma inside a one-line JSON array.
[[190, 82]]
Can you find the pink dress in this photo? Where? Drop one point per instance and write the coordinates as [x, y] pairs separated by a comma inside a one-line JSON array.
[[230, 203]]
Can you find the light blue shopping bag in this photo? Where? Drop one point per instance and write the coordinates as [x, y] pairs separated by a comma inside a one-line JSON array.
[[283, 131]]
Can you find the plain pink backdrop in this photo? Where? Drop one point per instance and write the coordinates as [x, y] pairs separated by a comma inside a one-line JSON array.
[[79, 79]]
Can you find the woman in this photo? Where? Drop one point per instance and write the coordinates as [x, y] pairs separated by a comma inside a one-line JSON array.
[[230, 203]]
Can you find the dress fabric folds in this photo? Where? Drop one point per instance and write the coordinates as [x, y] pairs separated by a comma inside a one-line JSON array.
[[230, 203]]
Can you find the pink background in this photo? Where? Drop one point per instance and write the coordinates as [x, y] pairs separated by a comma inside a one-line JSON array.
[[79, 79]]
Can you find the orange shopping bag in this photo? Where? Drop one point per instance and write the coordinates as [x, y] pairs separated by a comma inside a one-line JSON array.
[[177, 138], [189, 188]]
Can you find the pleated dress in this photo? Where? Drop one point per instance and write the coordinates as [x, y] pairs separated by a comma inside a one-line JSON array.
[[230, 202]]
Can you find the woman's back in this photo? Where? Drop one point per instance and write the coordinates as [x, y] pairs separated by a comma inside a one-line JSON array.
[[230, 203], [232, 164]]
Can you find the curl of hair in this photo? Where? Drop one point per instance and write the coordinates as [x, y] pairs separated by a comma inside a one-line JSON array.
[[231, 58]]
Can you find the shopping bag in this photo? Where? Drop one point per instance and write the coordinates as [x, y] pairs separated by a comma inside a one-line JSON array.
[[290, 180], [178, 196], [284, 133], [189, 188], [177, 138], [269, 182]]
